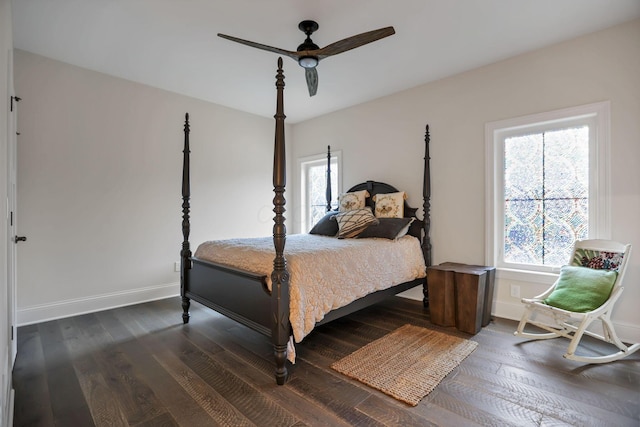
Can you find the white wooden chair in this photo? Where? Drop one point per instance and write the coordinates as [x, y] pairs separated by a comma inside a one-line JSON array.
[[599, 256]]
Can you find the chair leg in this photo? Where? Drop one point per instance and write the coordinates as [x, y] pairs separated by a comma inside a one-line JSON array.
[[610, 333], [609, 336], [577, 336], [527, 318]]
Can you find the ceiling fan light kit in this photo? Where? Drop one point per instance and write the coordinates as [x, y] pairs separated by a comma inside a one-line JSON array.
[[308, 54], [308, 62]]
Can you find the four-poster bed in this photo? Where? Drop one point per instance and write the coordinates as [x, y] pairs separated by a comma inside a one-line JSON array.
[[261, 300]]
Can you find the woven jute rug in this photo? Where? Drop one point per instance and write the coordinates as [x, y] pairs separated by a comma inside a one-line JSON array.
[[407, 363]]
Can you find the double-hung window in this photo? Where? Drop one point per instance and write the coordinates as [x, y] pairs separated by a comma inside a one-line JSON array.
[[313, 185], [548, 186]]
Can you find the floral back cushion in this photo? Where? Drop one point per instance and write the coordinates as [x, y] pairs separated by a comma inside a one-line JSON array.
[[598, 260]]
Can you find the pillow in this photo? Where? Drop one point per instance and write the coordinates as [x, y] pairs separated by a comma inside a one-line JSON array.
[[599, 260], [351, 223], [387, 228], [353, 200], [389, 205], [326, 226], [581, 289]]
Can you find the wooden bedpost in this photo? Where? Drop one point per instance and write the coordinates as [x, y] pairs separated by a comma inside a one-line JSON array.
[[328, 189], [185, 253], [280, 276], [426, 196]]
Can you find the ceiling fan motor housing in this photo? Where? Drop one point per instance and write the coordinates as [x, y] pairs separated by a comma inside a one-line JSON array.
[[308, 27]]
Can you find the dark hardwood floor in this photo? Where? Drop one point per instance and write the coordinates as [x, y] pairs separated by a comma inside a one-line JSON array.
[[139, 366]]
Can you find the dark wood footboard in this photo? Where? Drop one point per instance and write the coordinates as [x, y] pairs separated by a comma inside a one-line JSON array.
[[239, 295]]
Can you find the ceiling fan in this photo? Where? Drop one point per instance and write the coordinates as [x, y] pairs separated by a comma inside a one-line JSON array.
[[308, 54]]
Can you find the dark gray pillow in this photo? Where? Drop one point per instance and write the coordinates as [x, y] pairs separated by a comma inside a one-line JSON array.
[[387, 228], [327, 226]]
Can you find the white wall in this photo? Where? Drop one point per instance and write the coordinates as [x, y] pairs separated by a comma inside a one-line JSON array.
[[99, 186], [6, 91], [382, 140]]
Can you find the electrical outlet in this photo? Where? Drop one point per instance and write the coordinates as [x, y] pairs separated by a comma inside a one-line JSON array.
[[176, 266], [515, 291]]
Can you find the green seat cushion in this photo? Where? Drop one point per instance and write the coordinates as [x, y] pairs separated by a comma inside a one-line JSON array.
[[581, 289]]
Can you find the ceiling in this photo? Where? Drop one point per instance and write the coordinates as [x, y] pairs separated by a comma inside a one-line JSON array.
[[172, 44]]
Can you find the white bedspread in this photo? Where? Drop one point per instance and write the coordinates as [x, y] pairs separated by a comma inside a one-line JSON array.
[[325, 272]]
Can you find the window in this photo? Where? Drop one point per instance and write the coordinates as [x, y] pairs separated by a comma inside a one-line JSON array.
[[547, 186], [313, 183]]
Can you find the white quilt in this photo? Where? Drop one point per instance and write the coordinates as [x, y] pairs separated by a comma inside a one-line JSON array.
[[325, 272]]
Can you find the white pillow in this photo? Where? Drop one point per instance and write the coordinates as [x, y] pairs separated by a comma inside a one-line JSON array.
[[389, 205], [353, 200]]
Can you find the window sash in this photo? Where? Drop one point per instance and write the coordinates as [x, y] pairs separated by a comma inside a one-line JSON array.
[[308, 205], [596, 117]]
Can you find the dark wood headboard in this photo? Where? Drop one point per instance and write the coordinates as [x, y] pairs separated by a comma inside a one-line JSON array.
[[375, 187]]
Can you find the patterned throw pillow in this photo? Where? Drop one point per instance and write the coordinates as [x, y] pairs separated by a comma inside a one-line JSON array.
[[353, 200], [351, 223], [599, 260], [390, 205]]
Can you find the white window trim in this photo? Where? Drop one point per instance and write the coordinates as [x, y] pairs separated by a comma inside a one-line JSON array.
[[599, 194], [304, 201]]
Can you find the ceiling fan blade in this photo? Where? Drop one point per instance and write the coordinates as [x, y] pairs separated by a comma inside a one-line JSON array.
[[311, 75], [353, 42], [285, 52]]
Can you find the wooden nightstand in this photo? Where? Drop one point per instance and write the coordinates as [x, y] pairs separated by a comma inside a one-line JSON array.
[[461, 295]]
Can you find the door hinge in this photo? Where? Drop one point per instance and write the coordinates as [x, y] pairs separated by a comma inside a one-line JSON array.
[[11, 332], [11, 219], [15, 98]]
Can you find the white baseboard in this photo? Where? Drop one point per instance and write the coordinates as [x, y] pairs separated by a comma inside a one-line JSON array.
[[60, 309], [507, 310]]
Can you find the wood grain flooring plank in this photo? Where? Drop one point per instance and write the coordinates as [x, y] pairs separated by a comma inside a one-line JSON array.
[[501, 409], [621, 390], [392, 415], [327, 347], [595, 396], [182, 407], [350, 330], [304, 409], [247, 399], [136, 399], [441, 416], [32, 405], [220, 411], [496, 345], [68, 403], [332, 387], [257, 370], [543, 401], [162, 420], [102, 402], [466, 408], [332, 402]]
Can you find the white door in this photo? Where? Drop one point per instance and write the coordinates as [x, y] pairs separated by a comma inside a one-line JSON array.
[[12, 202]]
